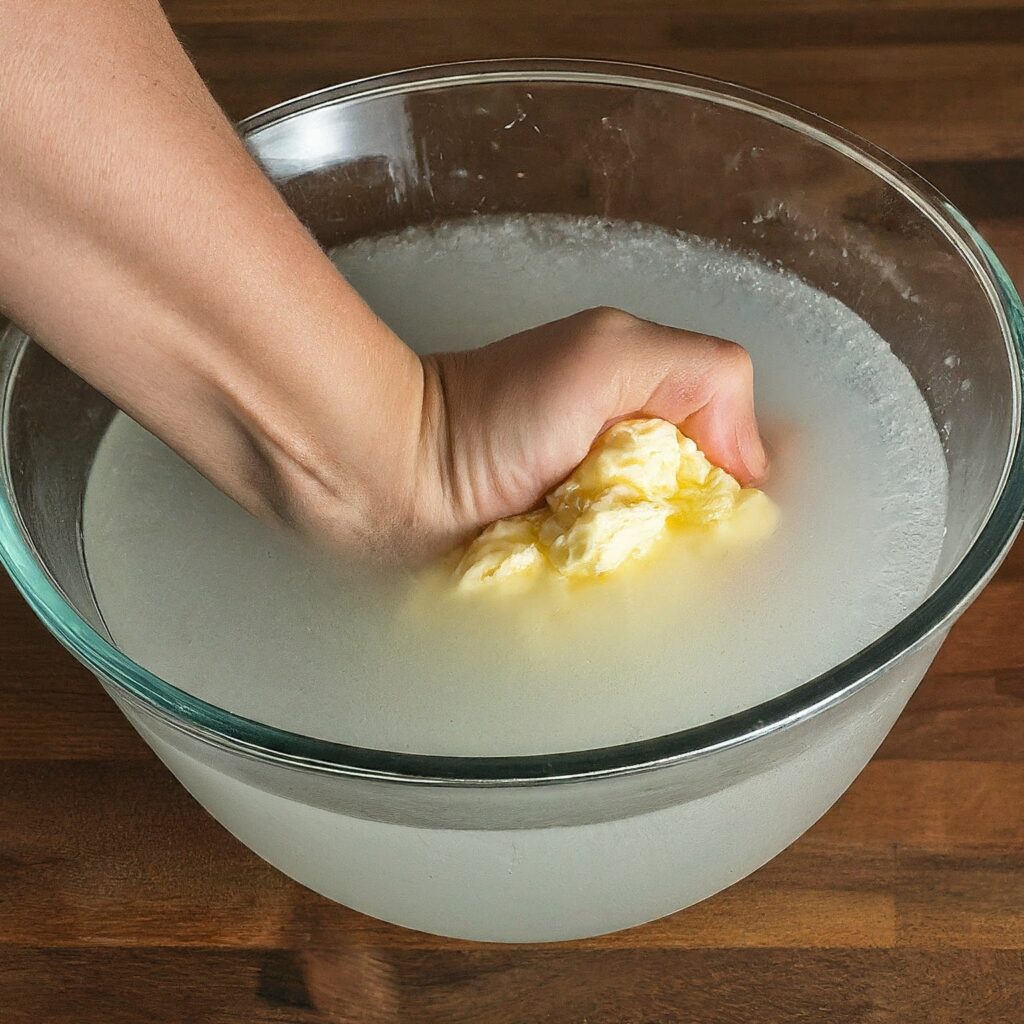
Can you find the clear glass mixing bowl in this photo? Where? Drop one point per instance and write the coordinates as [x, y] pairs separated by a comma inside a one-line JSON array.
[[535, 848]]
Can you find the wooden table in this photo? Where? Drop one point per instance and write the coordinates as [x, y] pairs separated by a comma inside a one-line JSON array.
[[120, 901]]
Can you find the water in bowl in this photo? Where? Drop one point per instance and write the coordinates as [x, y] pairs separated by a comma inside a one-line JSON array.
[[242, 616]]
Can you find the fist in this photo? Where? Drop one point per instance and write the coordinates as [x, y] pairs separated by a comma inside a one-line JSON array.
[[504, 424]]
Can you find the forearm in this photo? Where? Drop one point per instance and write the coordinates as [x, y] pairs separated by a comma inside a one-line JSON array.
[[145, 249]]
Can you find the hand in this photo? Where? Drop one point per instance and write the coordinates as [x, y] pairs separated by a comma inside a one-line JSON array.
[[504, 424], [220, 325]]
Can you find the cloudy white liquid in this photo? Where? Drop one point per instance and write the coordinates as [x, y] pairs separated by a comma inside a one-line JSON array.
[[242, 616]]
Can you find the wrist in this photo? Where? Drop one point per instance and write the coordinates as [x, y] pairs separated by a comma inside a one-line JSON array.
[[332, 418]]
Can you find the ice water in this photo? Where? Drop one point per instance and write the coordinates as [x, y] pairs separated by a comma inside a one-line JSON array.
[[243, 616]]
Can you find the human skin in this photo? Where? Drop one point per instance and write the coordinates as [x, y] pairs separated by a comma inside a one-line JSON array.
[[144, 248]]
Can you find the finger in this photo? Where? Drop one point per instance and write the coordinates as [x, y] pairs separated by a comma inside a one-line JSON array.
[[709, 391], [726, 431], [702, 383], [725, 426]]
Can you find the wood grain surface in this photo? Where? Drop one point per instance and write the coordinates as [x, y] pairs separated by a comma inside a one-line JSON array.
[[121, 901]]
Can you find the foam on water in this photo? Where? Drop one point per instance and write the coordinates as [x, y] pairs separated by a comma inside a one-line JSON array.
[[243, 617]]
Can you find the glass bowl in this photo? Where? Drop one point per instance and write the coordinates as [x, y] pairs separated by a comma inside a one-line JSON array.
[[572, 844]]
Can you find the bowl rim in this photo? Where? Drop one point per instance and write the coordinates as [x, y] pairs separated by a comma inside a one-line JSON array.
[[132, 685]]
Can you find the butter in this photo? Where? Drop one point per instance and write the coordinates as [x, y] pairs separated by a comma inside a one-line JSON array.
[[508, 548], [641, 479]]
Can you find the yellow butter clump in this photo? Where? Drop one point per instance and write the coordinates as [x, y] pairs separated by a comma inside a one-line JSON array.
[[641, 477]]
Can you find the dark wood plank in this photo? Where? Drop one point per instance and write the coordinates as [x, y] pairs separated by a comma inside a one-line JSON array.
[[962, 717], [556, 986], [966, 900], [184, 12], [988, 638], [50, 706], [927, 86], [930, 805]]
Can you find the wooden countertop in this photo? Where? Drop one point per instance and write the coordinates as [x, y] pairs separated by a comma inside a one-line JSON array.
[[121, 901]]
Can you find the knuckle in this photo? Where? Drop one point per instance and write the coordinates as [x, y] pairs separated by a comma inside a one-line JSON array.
[[608, 320], [606, 334], [733, 359]]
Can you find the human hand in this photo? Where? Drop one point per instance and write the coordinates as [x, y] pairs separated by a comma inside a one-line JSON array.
[[220, 325], [504, 424]]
